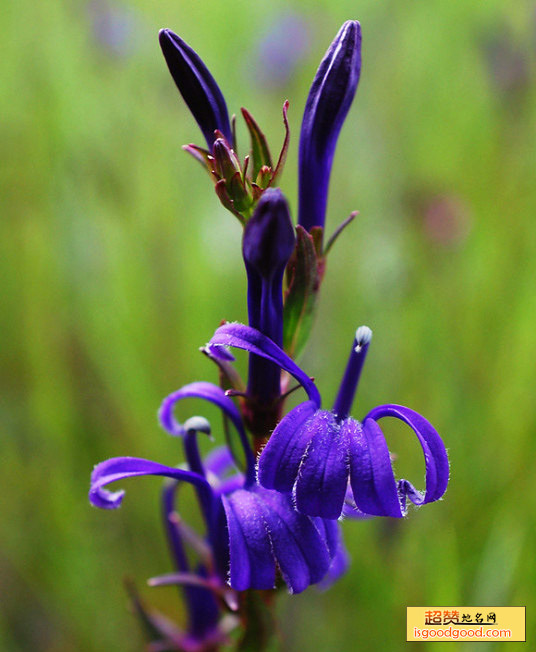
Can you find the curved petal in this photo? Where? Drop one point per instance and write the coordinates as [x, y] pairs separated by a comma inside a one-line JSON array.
[[340, 560], [279, 462], [323, 474], [249, 339], [203, 390], [265, 529], [299, 548], [215, 395], [252, 562], [119, 468], [371, 474], [435, 454]]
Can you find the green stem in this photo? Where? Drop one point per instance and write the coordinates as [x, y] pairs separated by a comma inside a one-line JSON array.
[[258, 621]]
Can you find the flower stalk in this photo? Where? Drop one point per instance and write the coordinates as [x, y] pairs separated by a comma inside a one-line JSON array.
[[271, 497]]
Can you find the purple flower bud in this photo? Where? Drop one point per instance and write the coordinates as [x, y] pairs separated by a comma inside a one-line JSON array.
[[197, 86], [269, 236], [329, 100], [267, 246]]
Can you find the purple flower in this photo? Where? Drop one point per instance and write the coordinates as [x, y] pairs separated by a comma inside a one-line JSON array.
[[315, 452], [267, 246], [328, 103], [270, 505], [251, 532], [197, 86]]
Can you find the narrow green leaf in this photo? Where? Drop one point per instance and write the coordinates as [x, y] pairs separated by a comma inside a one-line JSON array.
[[260, 153], [304, 274]]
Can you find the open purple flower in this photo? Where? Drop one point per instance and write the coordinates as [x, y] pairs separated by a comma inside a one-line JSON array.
[[316, 452], [270, 500], [328, 103], [251, 532]]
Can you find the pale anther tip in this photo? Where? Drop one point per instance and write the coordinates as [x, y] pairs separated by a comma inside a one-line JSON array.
[[363, 335]]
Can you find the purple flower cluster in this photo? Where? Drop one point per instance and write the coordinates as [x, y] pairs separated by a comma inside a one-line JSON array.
[[271, 499]]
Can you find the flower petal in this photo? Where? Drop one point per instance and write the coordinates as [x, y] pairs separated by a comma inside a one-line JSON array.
[[280, 460], [299, 548], [215, 395], [119, 468], [252, 562], [202, 607], [371, 474], [197, 86], [219, 462], [249, 339], [323, 475], [435, 454], [340, 560], [265, 529], [350, 509], [203, 390]]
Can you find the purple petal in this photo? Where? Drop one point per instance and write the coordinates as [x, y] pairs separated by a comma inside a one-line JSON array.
[[252, 563], [119, 468], [265, 529], [435, 454], [327, 105], [229, 485], [330, 531], [202, 608], [196, 85], [251, 340], [219, 461], [350, 509], [371, 474], [323, 475], [173, 535], [215, 395], [203, 390], [280, 460], [340, 559], [299, 548]]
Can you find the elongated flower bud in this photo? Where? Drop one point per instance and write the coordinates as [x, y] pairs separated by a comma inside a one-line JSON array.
[[267, 246], [197, 86], [329, 100]]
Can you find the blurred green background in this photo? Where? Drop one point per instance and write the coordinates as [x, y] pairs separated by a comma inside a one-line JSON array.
[[117, 263]]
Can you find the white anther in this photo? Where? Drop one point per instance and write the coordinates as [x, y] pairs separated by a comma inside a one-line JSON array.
[[363, 335]]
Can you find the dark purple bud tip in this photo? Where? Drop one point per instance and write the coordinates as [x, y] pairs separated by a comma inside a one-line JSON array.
[[329, 100], [269, 235], [196, 85]]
